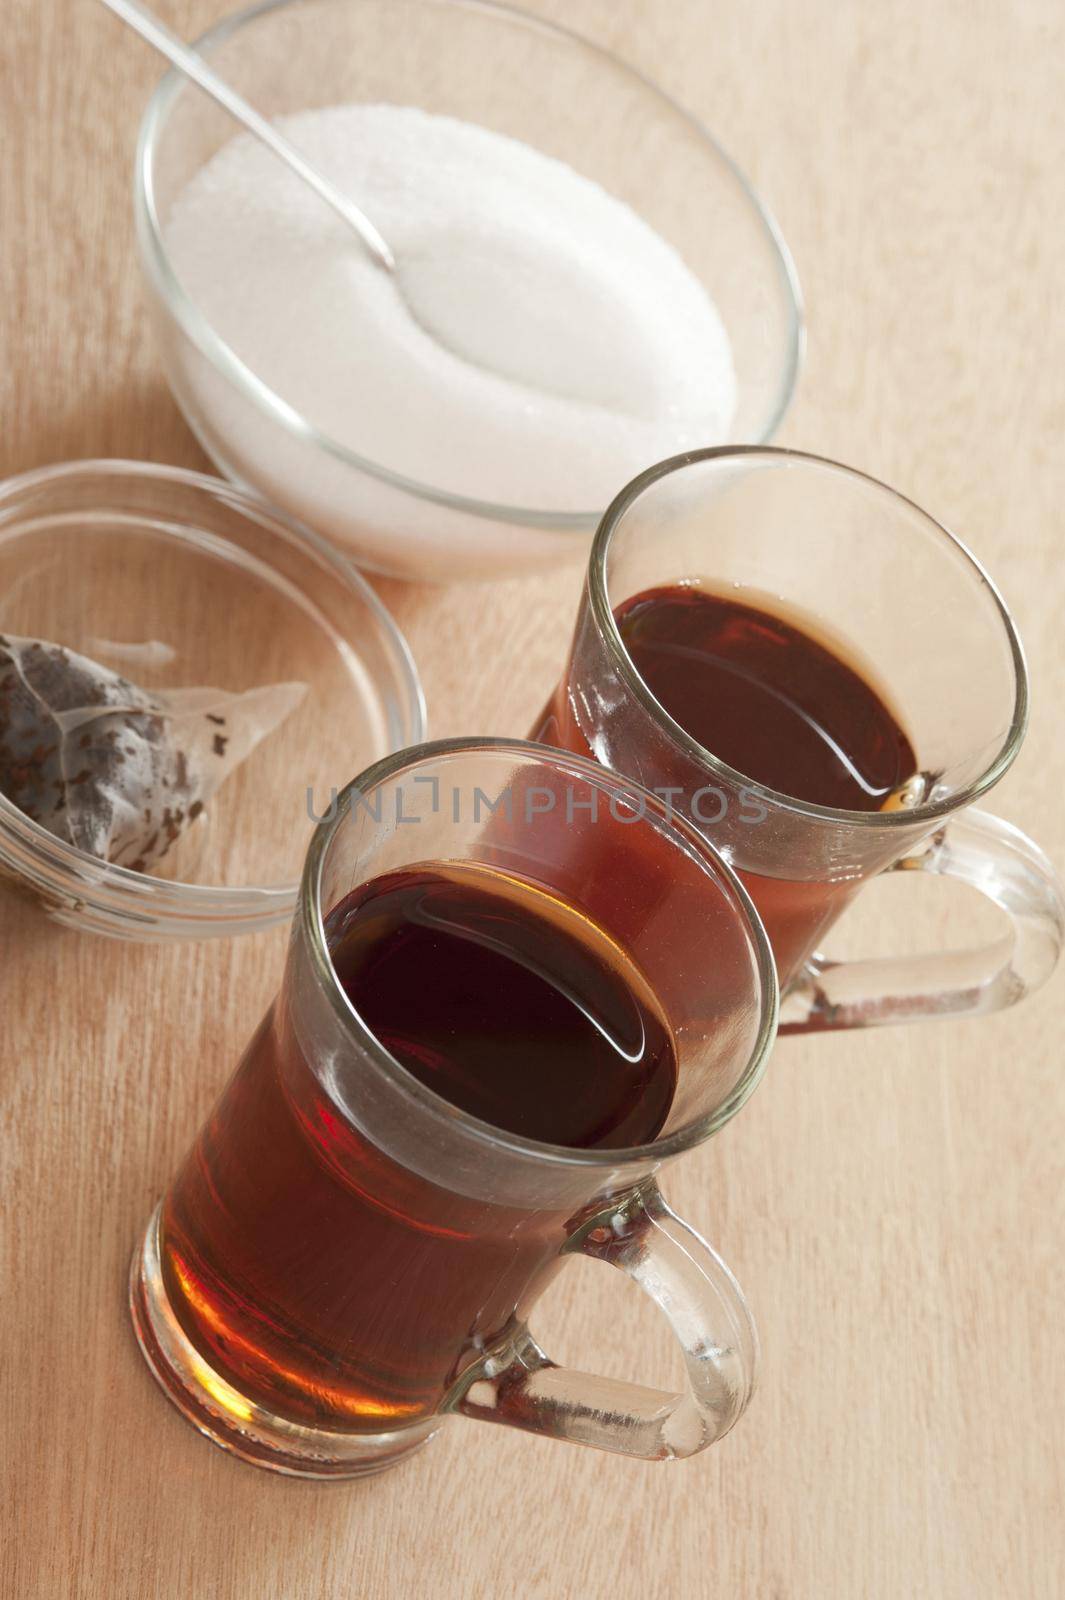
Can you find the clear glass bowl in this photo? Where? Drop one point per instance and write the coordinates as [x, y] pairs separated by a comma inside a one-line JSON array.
[[486, 64], [177, 580]]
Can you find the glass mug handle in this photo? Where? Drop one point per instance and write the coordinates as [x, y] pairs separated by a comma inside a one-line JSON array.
[[517, 1384], [1012, 872]]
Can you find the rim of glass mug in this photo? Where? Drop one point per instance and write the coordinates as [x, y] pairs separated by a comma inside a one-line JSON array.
[[904, 818], [211, 344], [311, 918]]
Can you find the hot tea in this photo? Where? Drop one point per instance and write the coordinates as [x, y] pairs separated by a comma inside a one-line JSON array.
[[506, 1002], [476, 1066], [764, 696]]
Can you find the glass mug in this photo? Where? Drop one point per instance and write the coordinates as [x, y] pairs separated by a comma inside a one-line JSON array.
[[896, 589], [345, 1258]]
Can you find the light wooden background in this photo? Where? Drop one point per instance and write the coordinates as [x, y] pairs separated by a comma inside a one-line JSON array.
[[893, 1204]]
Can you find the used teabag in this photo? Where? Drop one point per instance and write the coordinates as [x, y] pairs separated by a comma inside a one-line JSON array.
[[116, 770]]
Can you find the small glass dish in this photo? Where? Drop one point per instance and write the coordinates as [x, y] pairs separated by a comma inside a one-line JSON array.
[[176, 580], [482, 63]]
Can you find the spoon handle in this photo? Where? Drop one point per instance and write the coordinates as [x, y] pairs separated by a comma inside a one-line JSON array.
[[194, 67]]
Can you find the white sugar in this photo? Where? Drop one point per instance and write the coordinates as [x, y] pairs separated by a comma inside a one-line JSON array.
[[573, 346]]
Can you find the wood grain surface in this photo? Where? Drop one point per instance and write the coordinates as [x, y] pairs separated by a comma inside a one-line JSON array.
[[891, 1203]]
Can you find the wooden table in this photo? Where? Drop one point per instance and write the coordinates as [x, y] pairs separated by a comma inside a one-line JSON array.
[[892, 1203]]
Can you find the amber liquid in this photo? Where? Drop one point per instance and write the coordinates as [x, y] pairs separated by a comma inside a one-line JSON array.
[[330, 1284], [775, 704]]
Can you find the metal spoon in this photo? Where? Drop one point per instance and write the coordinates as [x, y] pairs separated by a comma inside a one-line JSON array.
[[141, 20]]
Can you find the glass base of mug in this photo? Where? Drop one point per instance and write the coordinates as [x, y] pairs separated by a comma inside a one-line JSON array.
[[229, 1418]]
